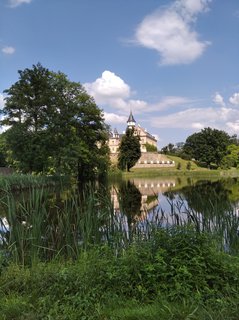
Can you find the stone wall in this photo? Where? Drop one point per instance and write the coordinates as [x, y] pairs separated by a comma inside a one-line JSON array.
[[149, 160], [154, 160]]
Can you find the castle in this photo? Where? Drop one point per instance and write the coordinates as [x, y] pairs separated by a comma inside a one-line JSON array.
[[148, 159], [145, 137]]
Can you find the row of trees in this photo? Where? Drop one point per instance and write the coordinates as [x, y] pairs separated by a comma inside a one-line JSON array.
[[209, 147], [54, 126]]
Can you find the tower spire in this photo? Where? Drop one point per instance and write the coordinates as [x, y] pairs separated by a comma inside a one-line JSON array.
[[131, 121]]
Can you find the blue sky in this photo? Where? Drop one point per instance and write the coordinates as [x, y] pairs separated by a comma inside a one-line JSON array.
[[173, 63]]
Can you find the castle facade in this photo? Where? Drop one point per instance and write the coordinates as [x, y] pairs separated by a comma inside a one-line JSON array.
[[143, 134]]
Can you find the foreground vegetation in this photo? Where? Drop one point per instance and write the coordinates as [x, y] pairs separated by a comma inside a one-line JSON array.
[[70, 256], [177, 274]]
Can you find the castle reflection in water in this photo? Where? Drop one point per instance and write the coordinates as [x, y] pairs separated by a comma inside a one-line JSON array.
[[149, 190]]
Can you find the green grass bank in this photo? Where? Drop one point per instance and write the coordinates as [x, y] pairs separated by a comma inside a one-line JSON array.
[[195, 171]]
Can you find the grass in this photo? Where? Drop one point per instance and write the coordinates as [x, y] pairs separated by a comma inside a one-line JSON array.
[[18, 182], [195, 171], [177, 274]]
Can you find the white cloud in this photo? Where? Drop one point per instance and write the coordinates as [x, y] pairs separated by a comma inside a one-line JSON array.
[[234, 99], [170, 101], [199, 118], [16, 3], [170, 32], [156, 136], [197, 125], [112, 91], [218, 99], [233, 126], [8, 50], [114, 118], [1, 101], [108, 86]]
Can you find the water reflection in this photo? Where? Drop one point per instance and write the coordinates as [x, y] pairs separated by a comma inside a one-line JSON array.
[[211, 206], [47, 222]]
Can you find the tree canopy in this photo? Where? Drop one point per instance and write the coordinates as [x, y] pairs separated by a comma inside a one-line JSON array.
[[129, 150], [208, 146], [55, 126]]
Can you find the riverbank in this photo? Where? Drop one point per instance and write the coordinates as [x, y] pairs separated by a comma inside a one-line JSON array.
[[181, 170], [162, 172], [177, 274]]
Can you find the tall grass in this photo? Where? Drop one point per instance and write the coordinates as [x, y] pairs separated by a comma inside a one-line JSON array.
[[44, 225], [18, 182]]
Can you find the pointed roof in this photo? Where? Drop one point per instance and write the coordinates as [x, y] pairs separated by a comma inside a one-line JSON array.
[[131, 118]]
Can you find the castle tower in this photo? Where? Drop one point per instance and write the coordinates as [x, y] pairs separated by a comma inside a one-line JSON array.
[[131, 122], [116, 134]]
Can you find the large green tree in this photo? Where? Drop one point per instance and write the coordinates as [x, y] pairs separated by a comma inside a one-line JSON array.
[[54, 125], [129, 150], [231, 159], [208, 146]]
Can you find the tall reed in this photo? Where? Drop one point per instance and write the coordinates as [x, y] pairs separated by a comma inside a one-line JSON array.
[[44, 225]]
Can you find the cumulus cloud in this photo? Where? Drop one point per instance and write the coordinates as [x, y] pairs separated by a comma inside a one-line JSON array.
[[112, 91], [108, 86], [218, 99], [234, 99], [170, 31], [221, 118], [114, 118], [8, 50], [16, 3], [177, 112], [233, 126]]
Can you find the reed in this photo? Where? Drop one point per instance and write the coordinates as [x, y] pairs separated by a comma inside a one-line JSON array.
[[19, 182], [45, 225]]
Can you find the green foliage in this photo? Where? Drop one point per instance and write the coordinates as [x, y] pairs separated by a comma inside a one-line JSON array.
[[129, 150], [3, 150], [189, 165], [208, 146], [177, 274], [55, 125], [150, 148], [179, 166], [231, 159], [168, 149]]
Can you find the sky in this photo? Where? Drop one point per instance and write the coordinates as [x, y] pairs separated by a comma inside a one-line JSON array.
[[174, 64]]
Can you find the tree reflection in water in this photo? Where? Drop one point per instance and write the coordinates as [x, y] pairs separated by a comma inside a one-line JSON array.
[[129, 198], [208, 206]]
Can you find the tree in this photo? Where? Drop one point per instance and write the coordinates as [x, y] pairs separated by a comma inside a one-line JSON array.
[[150, 147], [168, 149], [208, 146], [55, 126], [189, 165], [231, 159], [3, 150], [129, 150]]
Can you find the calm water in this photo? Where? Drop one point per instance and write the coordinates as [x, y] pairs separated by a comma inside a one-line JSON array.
[[211, 206], [120, 211]]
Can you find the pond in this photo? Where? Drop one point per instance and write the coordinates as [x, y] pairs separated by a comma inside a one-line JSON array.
[[44, 223], [207, 205]]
